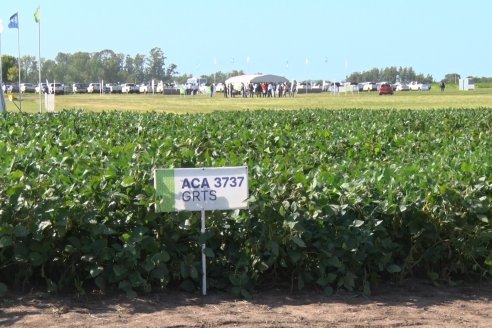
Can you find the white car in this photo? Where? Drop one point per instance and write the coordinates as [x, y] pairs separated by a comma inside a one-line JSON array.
[[27, 88], [219, 87], [94, 88], [129, 88], [56, 88], [113, 87], [44, 88], [369, 86], [401, 86], [416, 86]]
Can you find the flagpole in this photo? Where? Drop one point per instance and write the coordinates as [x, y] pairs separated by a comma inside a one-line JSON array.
[[39, 61], [19, 63], [2, 100], [1, 68]]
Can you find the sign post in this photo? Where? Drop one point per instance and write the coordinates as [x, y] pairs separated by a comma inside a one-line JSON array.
[[201, 189]]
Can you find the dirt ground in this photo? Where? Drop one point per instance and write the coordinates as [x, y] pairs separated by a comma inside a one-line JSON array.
[[406, 305]]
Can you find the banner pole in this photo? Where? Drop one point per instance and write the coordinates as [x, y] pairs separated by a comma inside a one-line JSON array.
[[204, 259]]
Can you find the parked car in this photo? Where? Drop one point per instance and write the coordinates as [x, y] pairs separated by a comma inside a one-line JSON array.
[[401, 86], [113, 88], [416, 86], [94, 88], [56, 88], [219, 87], [145, 87], [44, 88], [27, 88], [385, 89], [12, 88], [129, 88], [369, 86], [80, 87]]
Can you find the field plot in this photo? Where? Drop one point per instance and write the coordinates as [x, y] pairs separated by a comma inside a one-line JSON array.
[[342, 200], [204, 104]]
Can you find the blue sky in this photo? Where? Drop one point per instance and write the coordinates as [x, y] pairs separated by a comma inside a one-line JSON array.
[[311, 39]]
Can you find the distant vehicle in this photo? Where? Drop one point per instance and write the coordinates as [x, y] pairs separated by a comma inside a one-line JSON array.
[[44, 88], [129, 88], [198, 81], [94, 88], [401, 86], [27, 88], [80, 87], [56, 88], [385, 89], [219, 87], [12, 88], [369, 86], [113, 88], [416, 86]]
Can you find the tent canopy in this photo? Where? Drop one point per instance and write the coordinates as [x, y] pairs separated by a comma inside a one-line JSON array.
[[237, 80], [269, 78], [246, 79]]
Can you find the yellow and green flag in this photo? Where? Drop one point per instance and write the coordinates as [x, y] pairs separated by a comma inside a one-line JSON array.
[[37, 15]]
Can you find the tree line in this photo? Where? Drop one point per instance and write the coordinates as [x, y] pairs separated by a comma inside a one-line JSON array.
[[85, 67], [390, 74], [117, 67]]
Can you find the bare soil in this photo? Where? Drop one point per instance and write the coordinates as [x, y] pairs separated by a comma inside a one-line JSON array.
[[405, 305]]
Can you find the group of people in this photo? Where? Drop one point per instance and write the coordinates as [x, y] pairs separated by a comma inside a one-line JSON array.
[[260, 90]]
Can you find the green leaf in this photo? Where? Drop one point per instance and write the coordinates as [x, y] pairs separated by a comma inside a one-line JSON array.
[[295, 256], [43, 225], [5, 241], [100, 282], [96, 271], [119, 270], [128, 181], [298, 241], [357, 223], [262, 266], [393, 268], [20, 231], [17, 174], [36, 258], [209, 252], [3, 289]]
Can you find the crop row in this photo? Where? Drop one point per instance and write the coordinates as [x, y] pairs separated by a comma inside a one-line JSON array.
[[339, 199]]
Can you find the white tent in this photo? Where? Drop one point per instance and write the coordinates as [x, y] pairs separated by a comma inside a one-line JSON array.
[[255, 78], [237, 80]]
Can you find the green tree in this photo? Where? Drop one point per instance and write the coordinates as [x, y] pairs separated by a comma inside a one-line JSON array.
[[9, 75], [48, 70], [452, 78], [79, 62], [29, 71], [155, 65]]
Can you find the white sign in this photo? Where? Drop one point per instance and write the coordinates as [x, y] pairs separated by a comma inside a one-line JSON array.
[[198, 189]]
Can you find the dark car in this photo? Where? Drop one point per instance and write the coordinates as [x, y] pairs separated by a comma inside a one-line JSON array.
[[385, 89]]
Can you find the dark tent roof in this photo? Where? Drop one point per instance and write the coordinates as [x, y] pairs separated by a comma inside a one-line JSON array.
[[269, 78]]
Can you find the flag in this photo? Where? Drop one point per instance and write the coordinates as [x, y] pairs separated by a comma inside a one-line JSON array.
[[14, 21], [37, 15]]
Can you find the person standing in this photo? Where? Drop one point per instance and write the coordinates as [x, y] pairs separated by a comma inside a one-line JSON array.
[[443, 86]]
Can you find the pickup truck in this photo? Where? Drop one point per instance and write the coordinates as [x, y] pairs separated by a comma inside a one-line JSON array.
[[113, 88], [416, 86], [56, 88], [129, 88], [94, 88]]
